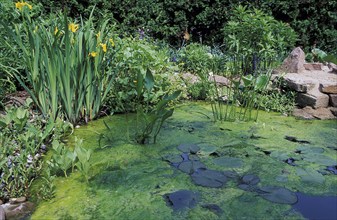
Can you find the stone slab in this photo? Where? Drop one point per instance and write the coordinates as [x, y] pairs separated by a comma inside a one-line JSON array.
[[328, 87], [314, 99], [298, 83], [312, 66], [310, 113]]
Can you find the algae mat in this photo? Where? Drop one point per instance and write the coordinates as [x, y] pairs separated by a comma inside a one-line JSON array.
[[130, 181]]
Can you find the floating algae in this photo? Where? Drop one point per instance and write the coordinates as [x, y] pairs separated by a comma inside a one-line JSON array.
[[128, 181]]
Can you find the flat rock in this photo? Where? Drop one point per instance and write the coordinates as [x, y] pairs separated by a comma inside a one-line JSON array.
[[328, 87], [310, 113], [18, 211], [220, 80], [312, 66], [333, 111], [314, 99], [190, 78], [299, 84], [17, 200]]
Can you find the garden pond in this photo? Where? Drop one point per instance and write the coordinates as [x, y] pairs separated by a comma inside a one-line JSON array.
[[276, 168]]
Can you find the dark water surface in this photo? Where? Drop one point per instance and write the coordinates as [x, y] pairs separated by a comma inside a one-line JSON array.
[[317, 207]]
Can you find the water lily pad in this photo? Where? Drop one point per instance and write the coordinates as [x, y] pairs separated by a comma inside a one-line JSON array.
[[209, 178], [193, 157], [294, 139], [190, 166], [279, 155], [228, 162], [207, 150], [319, 159], [231, 174], [310, 175], [308, 150], [173, 158], [182, 199], [282, 178], [277, 194], [250, 179], [189, 148], [213, 208]]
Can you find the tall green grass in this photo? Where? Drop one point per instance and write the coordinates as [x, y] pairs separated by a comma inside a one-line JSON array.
[[65, 64]]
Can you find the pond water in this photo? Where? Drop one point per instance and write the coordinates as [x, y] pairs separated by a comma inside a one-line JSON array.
[[199, 169]]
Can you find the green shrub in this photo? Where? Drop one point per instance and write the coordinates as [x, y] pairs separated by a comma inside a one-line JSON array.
[[136, 56], [257, 38]]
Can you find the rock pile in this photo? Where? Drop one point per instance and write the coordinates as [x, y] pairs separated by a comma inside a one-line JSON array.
[[315, 84]]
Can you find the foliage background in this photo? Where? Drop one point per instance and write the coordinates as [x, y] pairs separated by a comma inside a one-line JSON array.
[[314, 21]]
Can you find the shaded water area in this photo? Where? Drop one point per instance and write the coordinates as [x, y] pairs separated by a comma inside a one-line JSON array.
[[202, 170]]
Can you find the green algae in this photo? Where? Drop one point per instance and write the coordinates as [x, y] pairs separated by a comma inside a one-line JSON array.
[[128, 181]]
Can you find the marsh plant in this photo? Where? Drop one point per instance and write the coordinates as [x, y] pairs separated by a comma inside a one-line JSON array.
[[65, 62], [150, 120], [21, 140], [65, 159]]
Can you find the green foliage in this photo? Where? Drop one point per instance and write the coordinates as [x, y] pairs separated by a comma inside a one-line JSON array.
[[149, 122], [83, 155], [197, 91], [65, 65], [257, 37], [64, 158], [276, 97], [20, 145], [135, 56]]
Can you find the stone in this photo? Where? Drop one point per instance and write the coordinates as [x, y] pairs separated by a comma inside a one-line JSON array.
[[294, 62], [1, 202], [220, 80], [314, 99], [189, 78], [17, 200], [302, 114], [312, 66], [2, 213], [18, 211], [333, 100], [328, 87], [299, 84], [333, 111], [332, 67]]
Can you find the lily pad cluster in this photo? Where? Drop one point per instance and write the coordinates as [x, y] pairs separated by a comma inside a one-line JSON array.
[[189, 162]]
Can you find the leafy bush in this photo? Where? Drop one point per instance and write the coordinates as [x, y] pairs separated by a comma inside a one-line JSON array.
[[314, 21], [21, 145], [136, 56], [277, 98], [256, 37]]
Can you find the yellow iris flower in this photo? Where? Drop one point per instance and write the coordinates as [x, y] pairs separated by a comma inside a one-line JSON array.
[[112, 42], [103, 47], [20, 5], [98, 34], [73, 27], [56, 31], [93, 54]]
